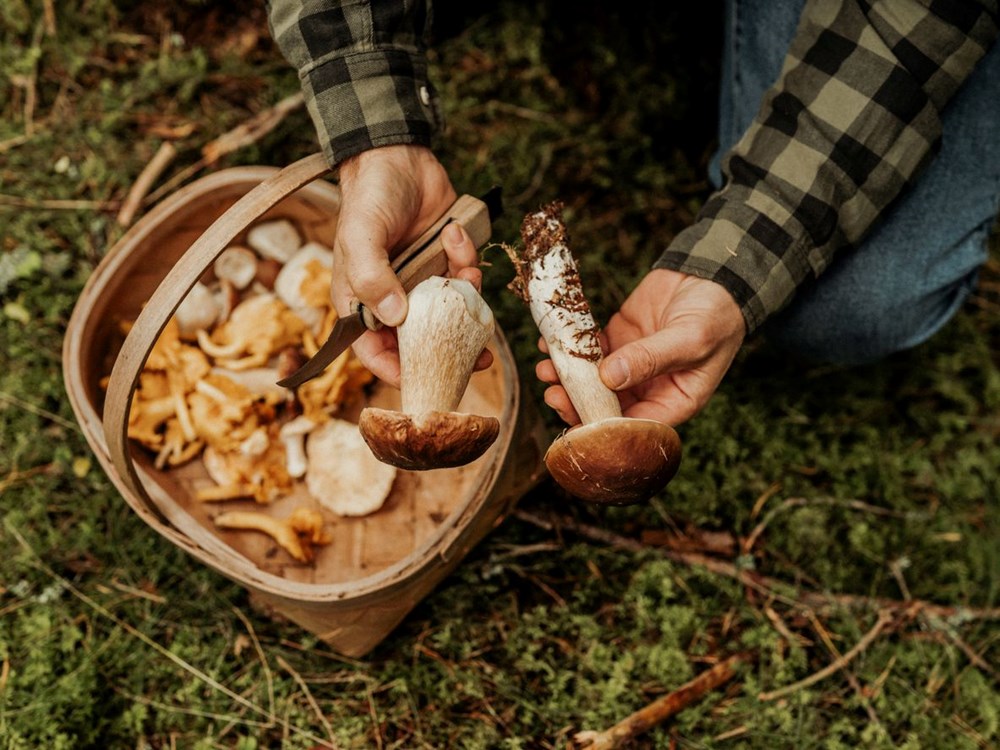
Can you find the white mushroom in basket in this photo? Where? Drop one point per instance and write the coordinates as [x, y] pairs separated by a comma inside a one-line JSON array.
[[297, 534], [304, 283], [236, 265], [608, 459], [277, 240], [446, 328], [342, 474], [198, 310]]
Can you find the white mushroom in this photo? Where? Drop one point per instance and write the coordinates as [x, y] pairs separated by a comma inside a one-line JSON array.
[[343, 475], [198, 311], [304, 283], [293, 435], [277, 240], [237, 265], [609, 458], [445, 330]]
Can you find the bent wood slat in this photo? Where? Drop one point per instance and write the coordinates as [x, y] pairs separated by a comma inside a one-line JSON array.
[[357, 610]]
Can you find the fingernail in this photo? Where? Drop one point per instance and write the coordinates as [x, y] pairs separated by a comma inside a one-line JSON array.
[[453, 233], [391, 309], [615, 372]]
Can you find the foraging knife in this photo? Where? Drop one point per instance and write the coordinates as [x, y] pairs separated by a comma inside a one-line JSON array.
[[421, 260]]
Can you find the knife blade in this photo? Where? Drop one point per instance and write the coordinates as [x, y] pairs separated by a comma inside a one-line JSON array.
[[419, 261]]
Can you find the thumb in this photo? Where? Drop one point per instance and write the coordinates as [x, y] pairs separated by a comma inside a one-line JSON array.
[[643, 359], [361, 246]]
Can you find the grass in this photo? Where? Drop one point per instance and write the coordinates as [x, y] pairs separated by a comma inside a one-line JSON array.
[[878, 482]]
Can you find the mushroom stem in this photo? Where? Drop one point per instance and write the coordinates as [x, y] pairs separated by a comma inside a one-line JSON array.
[[446, 327], [548, 280], [609, 458]]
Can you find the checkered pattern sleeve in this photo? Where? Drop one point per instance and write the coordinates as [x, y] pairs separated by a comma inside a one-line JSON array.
[[363, 70], [852, 119]]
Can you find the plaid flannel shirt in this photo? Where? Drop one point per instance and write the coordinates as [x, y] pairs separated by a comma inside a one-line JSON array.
[[363, 70], [853, 118]]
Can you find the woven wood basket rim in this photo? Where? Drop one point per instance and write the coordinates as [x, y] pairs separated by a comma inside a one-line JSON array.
[[443, 542]]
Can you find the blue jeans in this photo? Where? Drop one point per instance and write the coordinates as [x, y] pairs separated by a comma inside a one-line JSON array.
[[914, 269]]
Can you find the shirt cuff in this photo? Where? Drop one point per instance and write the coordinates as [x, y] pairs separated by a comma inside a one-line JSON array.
[[751, 256], [370, 99]]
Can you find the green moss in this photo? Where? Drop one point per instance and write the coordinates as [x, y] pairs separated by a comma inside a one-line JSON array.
[[610, 111]]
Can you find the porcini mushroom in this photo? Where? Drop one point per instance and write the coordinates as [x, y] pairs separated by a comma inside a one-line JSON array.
[[609, 459], [446, 328]]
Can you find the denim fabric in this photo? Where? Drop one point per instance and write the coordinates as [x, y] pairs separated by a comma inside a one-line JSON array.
[[919, 262]]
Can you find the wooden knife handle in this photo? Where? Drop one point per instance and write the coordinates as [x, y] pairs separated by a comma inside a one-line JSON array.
[[425, 257]]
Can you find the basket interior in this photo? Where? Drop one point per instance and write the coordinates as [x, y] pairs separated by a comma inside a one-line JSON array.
[[420, 503]]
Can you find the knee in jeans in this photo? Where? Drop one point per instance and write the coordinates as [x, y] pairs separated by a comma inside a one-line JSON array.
[[856, 329]]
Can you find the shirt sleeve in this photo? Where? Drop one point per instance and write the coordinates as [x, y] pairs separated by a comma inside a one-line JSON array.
[[363, 70], [853, 118]]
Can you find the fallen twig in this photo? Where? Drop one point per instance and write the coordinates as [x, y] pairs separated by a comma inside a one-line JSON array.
[[852, 678], [309, 698], [244, 134], [251, 131], [133, 631], [801, 502], [56, 204], [765, 585], [883, 619], [947, 632], [133, 201], [38, 411], [14, 476], [662, 708]]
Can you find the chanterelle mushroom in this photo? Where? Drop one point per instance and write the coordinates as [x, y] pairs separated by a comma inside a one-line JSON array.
[[446, 328], [610, 459], [297, 534]]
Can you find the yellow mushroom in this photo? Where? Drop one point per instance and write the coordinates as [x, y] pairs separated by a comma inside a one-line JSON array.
[[296, 534]]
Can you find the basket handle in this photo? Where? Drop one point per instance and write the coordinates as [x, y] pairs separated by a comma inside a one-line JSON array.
[[168, 296]]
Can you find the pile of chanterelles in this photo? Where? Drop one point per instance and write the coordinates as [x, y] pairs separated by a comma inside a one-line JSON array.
[[208, 390]]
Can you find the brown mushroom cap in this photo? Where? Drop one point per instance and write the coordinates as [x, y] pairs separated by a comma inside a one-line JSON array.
[[615, 461], [432, 440]]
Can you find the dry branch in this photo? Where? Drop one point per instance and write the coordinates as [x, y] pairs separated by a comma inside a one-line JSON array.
[[765, 585], [251, 131], [884, 618], [662, 708], [160, 161], [244, 134]]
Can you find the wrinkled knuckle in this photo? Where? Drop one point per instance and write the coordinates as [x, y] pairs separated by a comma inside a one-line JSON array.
[[702, 341], [369, 280], [643, 363]]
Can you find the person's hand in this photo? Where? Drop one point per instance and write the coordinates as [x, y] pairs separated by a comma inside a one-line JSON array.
[[389, 196], [667, 349]]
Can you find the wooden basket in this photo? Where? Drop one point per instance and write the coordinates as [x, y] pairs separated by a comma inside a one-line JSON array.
[[377, 567]]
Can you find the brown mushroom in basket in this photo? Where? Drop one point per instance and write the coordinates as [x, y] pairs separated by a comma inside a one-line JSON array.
[[445, 330], [608, 459]]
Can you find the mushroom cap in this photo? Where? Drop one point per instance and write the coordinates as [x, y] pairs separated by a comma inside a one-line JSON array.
[[431, 440], [342, 475], [615, 461]]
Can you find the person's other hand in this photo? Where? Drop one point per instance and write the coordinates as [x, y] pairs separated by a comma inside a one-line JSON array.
[[389, 196], [668, 349]]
